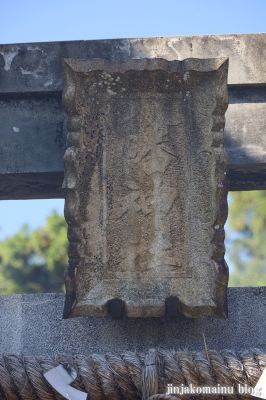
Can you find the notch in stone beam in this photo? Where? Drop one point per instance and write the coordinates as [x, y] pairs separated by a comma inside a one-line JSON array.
[[146, 186]]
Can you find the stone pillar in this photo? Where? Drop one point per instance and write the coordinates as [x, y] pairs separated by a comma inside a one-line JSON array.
[[145, 182]]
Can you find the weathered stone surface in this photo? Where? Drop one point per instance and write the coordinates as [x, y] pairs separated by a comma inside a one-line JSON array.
[[146, 186], [37, 67], [35, 134], [32, 159], [32, 324], [31, 83]]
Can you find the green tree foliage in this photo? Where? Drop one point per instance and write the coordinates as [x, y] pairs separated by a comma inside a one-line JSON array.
[[34, 261], [247, 228]]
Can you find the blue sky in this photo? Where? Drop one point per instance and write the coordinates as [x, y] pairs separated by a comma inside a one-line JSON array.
[[41, 21], [28, 20]]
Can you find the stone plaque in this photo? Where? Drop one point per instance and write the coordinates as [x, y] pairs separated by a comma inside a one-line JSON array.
[[146, 191]]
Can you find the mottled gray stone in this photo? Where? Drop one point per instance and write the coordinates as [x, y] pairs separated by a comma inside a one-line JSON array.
[[31, 84], [33, 325], [146, 187], [28, 144], [36, 67]]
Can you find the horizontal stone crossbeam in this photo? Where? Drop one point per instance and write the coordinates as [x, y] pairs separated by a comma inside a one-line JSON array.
[[32, 324], [33, 121]]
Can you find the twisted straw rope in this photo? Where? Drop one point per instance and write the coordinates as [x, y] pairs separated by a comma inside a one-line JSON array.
[[132, 376]]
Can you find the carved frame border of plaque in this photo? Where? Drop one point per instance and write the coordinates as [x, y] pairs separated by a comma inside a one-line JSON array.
[[100, 98]]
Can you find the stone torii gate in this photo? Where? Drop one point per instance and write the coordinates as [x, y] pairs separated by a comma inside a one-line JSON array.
[[32, 144]]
